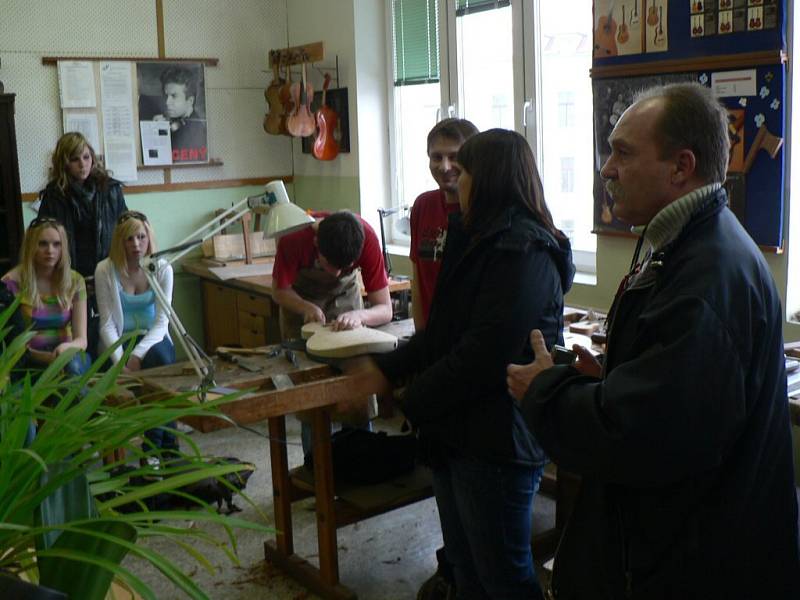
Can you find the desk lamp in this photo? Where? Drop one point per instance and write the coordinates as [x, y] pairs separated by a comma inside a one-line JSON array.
[[282, 217]]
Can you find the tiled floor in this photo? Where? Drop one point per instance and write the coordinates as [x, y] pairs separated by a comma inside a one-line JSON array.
[[383, 558]]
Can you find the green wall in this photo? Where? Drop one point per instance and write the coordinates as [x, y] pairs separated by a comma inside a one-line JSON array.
[[174, 215], [327, 193]]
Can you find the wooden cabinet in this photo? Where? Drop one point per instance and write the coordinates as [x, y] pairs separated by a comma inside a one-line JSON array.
[[11, 230], [235, 317]]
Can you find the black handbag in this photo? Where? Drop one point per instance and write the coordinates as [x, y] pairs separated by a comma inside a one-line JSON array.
[[366, 457]]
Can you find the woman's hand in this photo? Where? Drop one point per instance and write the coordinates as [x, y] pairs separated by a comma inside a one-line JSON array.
[[368, 375], [61, 348], [134, 364]]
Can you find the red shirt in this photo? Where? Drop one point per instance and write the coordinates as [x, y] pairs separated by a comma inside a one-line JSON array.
[[298, 251], [428, 234]]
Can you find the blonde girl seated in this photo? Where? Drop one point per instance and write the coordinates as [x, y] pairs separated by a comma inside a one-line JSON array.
[[127, 304], [52, 296], [124, 298]]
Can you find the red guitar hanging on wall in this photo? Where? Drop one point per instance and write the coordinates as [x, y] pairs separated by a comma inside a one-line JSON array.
[[325, 145]]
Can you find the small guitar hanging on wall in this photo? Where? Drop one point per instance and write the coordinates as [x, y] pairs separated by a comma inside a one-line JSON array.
[[325, 145], [623, 36], [659, 39], [605, 36]]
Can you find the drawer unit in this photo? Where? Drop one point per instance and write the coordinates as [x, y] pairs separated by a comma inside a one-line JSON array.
[[254, 304]]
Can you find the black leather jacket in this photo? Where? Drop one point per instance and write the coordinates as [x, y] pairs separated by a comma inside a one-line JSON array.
[[489, 295], [108, 203], [684, 446]]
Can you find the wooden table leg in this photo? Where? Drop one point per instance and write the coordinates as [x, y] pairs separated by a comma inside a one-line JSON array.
[[281, 496], [325, 580], [324, 493]]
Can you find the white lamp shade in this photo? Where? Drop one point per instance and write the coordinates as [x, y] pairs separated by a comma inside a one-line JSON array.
[[286, 218]]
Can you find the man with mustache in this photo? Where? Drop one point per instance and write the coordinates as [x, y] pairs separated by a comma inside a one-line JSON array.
[[682, 436]]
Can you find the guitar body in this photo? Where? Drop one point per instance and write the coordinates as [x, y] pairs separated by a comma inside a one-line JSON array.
[[635, 14], [301, 122], [275, 117], [325, 145], [285, 97], [623, 36], [605, 37], [652, 15]]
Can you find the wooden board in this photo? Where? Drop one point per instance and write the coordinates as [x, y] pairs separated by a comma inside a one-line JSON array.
[[322, 341], [242, 270], [231, 245]]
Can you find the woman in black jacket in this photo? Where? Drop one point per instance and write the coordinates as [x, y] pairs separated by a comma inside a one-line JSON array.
[[504, 271], [83, 197]]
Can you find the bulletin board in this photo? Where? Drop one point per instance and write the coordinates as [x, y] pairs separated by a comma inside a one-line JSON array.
[[735, 46], [117, 29]]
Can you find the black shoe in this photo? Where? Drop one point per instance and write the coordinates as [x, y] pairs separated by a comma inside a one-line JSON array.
[[437, 588]]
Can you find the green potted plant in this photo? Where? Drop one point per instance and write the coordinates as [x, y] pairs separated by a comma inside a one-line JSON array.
[[61, 526]]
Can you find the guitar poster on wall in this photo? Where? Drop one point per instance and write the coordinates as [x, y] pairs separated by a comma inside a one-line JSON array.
[[618, 28], [721, 17], [656, 34]]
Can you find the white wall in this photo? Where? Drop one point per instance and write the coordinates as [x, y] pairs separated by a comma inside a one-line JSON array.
[[238, 32], [355, 30]]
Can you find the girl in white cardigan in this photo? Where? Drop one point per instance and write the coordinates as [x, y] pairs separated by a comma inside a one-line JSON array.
[[127, 304], [124, 298]]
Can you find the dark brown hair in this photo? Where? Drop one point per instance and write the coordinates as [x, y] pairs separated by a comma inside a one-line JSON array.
[[70, 145], [456, 130], [504, 174], [692, 118], [340, 238]]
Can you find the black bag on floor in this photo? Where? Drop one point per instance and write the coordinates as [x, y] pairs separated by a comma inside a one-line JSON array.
[[361, 456]]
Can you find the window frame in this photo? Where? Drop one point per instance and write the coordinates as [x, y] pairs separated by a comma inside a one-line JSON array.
[[527, 82]]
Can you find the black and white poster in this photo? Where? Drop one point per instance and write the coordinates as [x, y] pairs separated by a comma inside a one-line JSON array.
[[173, 93]]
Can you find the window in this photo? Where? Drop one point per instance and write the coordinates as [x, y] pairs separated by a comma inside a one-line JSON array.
[[417, 100], [516, 64], [567, 174], [566, 109]]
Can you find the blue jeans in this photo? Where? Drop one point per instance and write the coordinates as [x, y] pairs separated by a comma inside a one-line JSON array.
[[485, 513], [79, 364], [160, 354]]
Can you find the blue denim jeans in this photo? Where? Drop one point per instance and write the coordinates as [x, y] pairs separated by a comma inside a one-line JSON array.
[[160, 354], [79, 364], [485, 513]]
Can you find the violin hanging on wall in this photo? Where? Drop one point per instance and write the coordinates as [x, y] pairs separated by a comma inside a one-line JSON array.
[[275, 119], [325, 145], [301, 122]]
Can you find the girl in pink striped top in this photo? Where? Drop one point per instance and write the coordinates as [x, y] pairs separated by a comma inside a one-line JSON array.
[[53, 297]]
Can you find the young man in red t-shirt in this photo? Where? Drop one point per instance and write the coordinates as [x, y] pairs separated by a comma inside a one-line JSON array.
[[431, 210], [428, 234], [314, 278]]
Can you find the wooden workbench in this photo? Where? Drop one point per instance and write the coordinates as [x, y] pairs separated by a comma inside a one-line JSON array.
[[319, 388], [241, 311]]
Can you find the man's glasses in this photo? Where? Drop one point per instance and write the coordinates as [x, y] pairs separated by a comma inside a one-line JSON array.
[[131, 214], [38, 221]]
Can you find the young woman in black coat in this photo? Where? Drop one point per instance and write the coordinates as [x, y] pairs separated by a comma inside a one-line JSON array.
[[83, 197], [504, 271]]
